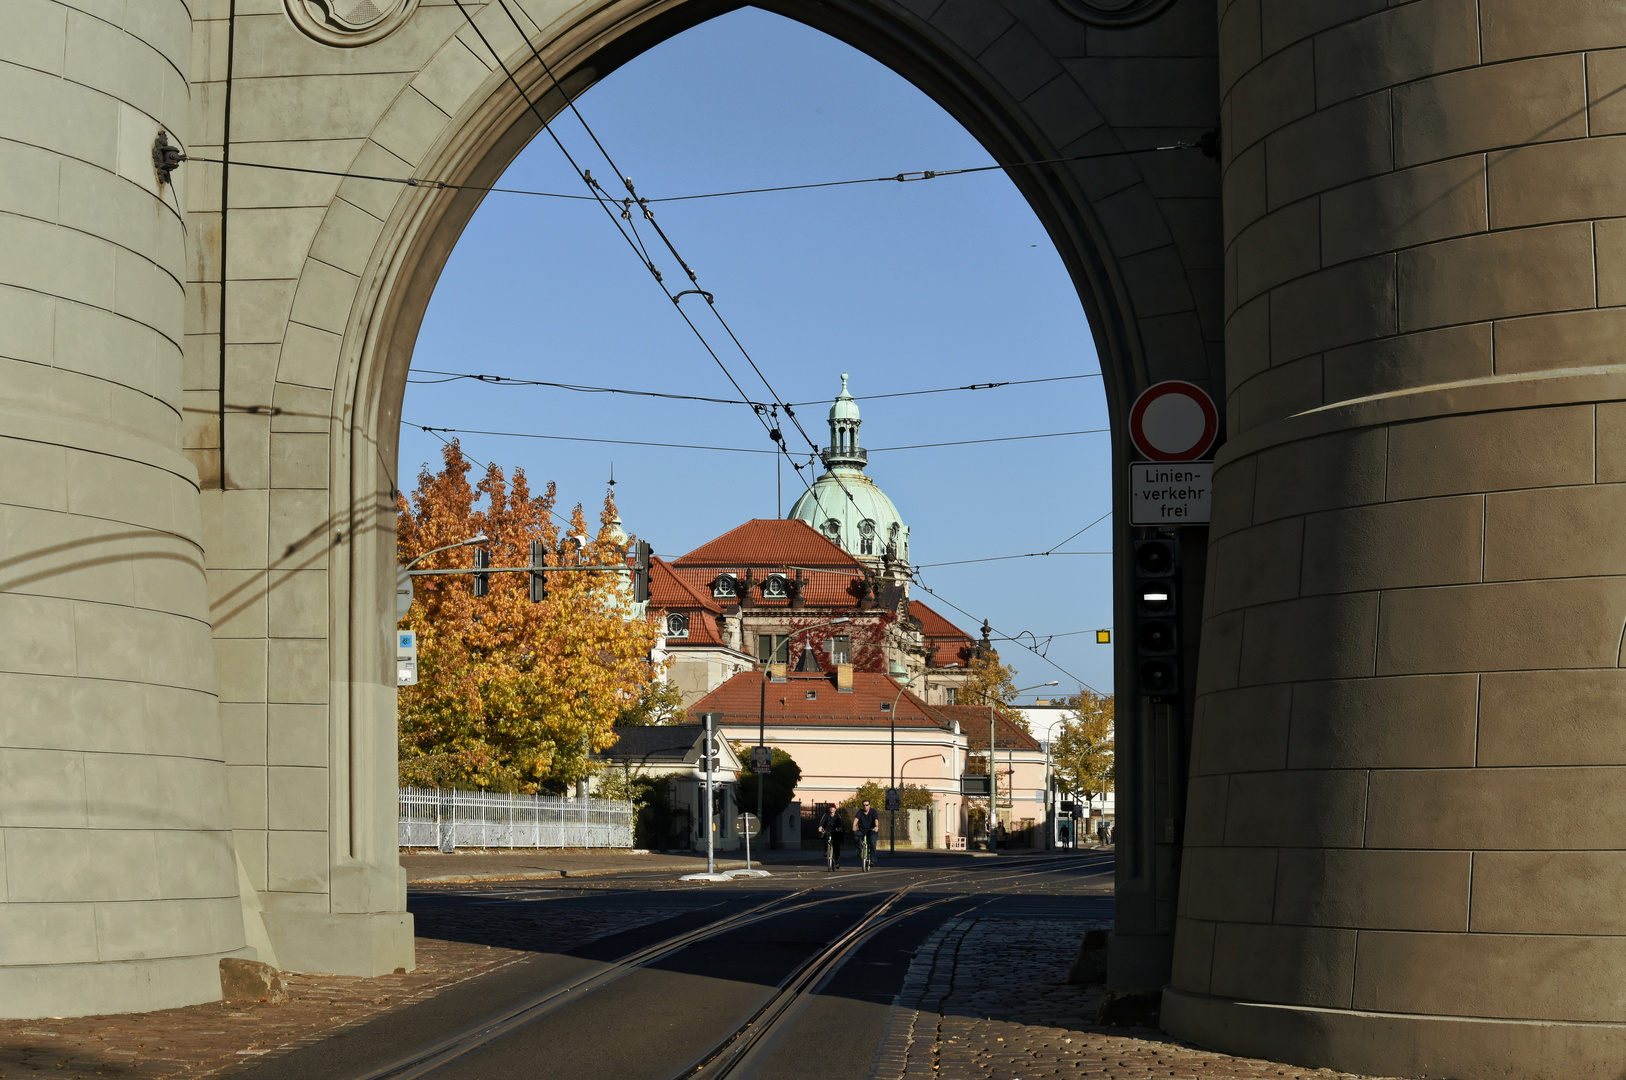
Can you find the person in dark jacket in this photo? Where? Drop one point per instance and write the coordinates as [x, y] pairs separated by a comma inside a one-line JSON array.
[[866, 825], [831, 828]]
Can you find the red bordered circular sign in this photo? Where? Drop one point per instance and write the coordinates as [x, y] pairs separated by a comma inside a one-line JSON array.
[[1173, 421]]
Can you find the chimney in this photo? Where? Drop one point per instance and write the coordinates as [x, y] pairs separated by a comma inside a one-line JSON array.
[[844, 678], [776, 672]]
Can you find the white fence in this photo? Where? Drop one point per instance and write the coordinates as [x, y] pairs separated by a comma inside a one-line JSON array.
[[448, 820]]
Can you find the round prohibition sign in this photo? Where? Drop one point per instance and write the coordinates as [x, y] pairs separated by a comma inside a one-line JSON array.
[[1173, 421]]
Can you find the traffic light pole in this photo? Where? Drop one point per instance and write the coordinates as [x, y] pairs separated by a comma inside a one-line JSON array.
[[708, 759]]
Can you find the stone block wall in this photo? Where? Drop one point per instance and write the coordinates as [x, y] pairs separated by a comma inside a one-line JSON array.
[[1406, 744], [117, 879]]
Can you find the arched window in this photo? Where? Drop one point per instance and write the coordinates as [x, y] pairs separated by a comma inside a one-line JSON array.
[[866, 537], [677, 625], [832, 528]]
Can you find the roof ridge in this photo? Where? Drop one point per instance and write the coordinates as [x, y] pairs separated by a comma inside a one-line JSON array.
[[781, 526], [704, 601]]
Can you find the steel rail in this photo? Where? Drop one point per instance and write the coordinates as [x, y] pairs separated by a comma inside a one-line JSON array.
[[794, 992], [445, 1050]]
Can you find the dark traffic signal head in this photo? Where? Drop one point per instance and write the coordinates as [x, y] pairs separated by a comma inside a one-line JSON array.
[[482, 582], [1157, 615], [1156, 556], [539, 581]]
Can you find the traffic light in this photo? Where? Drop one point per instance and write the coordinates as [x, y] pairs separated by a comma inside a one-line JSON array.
[[1157, 616], [539, 582], [640, 572], [482, 582]]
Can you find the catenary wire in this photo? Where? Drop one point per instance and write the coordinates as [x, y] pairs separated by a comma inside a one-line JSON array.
[[736, 449], [1084, 530], [912, 176], [1006, 558], [508, 380], [1029, 648], [597, 192]]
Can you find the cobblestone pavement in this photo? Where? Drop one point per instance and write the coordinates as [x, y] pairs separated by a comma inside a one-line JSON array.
[[215, 1038], [986, 999]]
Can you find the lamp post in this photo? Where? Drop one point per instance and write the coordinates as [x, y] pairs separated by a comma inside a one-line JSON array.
[[1049, 801], [905, 765], [892, 765], [993, 775], [403, 577], [762, 702]]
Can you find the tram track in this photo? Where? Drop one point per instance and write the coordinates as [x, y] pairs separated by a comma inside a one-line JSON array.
[[732, 1054]]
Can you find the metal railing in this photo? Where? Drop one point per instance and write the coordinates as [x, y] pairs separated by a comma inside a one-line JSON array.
[[447, 819]]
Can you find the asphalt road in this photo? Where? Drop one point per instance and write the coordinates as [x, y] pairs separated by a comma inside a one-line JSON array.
[[662, 1019]]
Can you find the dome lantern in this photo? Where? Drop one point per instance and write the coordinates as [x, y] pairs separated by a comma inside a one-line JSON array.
[[844, 504]]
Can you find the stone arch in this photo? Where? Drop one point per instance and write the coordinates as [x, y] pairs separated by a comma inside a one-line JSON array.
[[323, 300]]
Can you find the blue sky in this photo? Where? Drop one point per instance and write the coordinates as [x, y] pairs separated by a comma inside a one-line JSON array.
[[937, 283]]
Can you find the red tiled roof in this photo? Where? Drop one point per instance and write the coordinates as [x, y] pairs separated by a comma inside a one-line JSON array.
[[951, 645], [933, 624], [974, 722], [769, 542], [669, 591], [740, 698]]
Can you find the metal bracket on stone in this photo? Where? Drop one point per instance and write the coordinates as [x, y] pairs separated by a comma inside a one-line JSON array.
[[165, 158]]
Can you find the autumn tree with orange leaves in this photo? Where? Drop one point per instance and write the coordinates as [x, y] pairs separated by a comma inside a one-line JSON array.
[[512, 695]]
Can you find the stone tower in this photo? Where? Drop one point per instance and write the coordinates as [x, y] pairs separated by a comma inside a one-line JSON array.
[[844, 503], [1403, 845]]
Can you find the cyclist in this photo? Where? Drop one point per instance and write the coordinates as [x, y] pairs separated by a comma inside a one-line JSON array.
[[831, 828], [866, 825]]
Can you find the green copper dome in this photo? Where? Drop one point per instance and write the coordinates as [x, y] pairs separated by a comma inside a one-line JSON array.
[[844, 504], [844, 407]]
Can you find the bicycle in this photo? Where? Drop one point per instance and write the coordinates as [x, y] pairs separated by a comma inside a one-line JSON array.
[[831, 852], [865, 854]]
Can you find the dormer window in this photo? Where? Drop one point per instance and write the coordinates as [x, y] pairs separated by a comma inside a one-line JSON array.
[[866, 537], [832, 528], [812, 695], [677, 625], [886, 706], [775, 588], [725, 585]]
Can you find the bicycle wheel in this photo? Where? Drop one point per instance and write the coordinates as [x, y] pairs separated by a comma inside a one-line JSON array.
[[829, 855], [867, 854]]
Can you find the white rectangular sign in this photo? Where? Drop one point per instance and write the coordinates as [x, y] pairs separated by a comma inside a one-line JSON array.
[[1170, 492]]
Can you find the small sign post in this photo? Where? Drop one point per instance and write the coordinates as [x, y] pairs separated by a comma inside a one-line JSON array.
[[406, 658], [748, 825], [1172, 424]]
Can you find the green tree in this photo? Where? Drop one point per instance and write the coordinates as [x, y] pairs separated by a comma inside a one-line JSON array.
[[989, 682], [1083, 749], [778, 786], [512, 696], [659, 702], [913, 797]]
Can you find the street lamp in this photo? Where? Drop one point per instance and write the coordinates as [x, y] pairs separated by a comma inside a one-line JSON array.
[[993, 775], [762, 702], [403, 577], [905, 765], [892, 765], [1049, 800]]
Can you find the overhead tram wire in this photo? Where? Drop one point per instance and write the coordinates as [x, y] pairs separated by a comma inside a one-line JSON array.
[[738, 449], [1004, 637], [508, 380], [598, 195], [911, 176], [694, 279]]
